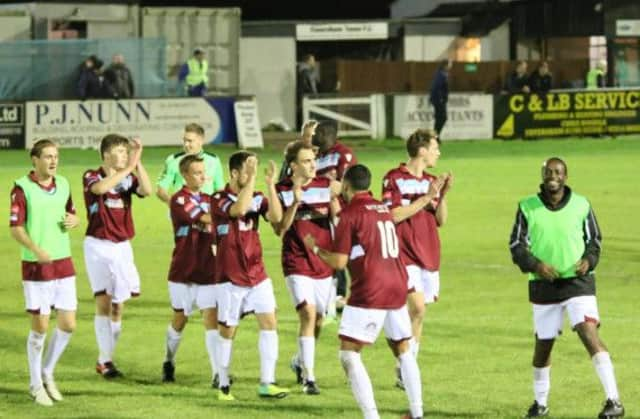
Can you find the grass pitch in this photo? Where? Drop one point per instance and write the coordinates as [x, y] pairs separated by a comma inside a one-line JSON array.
[[478, 341]]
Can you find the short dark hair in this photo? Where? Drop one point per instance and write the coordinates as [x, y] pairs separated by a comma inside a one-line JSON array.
[[237, 159], [420, 138], [187, 161], [38, 146], [556, 159], [110, 141], [326, 130], [195, 128], [293, 149], [359, 177]]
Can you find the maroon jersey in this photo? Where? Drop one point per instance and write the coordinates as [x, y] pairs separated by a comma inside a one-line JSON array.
[[239, 252], [34, 271], [312, 217], [192, 259], [109, 215], [334, 162], [367, 234], [418, 234]]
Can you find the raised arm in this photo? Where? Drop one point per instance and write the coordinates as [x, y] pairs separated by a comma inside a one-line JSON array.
[[401, 213], [290, 213], [144, 186], [104, 185], [274, 213], [245, 196]]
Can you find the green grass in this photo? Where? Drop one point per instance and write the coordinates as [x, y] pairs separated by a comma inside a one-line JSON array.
[[476, 353]]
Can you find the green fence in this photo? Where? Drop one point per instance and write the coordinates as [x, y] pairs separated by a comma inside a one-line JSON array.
[[49, 69]]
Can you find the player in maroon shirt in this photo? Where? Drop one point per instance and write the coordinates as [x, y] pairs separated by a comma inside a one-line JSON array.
[[366, 242], [107, 251], [333, 160], [244, 286], [418, 206], [310, 203], [192, 270], [49, 281]]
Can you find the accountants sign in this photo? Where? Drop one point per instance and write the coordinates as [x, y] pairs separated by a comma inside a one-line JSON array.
[[586, 112]]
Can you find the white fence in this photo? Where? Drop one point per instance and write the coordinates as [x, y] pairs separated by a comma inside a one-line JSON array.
[[357, 116]]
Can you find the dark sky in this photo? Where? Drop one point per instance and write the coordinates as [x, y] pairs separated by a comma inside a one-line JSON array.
[[294, 10]]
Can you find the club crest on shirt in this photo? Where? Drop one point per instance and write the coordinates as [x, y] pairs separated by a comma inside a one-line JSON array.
[[180, 200]]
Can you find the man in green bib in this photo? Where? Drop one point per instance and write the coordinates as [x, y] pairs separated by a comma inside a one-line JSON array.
[[41, 214], [171, 180], [557, 241]]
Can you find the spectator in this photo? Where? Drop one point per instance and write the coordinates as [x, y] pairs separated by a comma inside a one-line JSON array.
[[307, 81], [596, 76], [119, 78], [194, 72], [91, 83], [439, 95], [541, 80], [518, 82]]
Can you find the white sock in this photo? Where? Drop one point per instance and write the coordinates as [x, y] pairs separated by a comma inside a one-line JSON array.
[[35, 345], [116, 329], [415, 348], [268, 346], [604, 368], [102, 325], [331, 308], [541, 384], [307, 354], [172, 343], [224, 360], [56, 347], [211, 342], [412, 383], [360, 383]]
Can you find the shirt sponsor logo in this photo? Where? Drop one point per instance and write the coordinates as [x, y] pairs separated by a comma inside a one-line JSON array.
[[413, 186], [309, 196], [114, 203], [329, 160]]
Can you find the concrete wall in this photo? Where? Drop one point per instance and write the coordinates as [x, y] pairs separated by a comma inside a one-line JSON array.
[[495, 46], [268, 71], [15, 28], [103, 20]]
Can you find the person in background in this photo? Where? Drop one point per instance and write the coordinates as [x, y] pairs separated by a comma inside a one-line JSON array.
[[119, 78], [91, 82], [194, 73], [596, 77], [518, 82], [439, 95], [541, 80], [307, 81]]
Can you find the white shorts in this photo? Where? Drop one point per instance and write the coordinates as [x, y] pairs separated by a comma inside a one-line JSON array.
[[185, 296], [234, 301], [548, 318], [305, 290], [60, 294], [364, 324], [111, 269], [424, 281]]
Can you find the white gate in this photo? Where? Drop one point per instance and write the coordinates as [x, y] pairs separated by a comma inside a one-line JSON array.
[[356, 116]]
